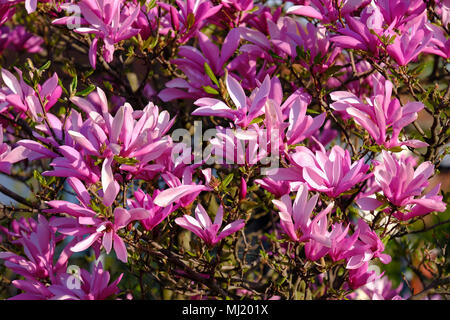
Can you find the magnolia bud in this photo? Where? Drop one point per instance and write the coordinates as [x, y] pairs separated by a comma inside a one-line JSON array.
[[174, 18], [243, 191]]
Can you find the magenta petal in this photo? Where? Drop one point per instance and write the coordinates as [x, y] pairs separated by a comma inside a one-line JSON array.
[[306, 11], [86, 243], [121, 217], [368, 203], [107, 241], [171, 195], [93, 53], [138, 214], [120, 249], [110, 187], [231, 228]]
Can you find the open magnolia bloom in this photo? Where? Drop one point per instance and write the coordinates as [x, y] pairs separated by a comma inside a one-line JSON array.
[[404, 188], [380, 114], [202, 226]]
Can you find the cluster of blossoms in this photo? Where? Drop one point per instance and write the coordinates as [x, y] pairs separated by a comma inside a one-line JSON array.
[[131, 191]]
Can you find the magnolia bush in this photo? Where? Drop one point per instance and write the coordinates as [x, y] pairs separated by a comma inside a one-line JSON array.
[[224, 149]]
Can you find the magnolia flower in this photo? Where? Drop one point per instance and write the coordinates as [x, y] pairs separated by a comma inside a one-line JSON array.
[[130, 138], [277, 188], [316, 41], [39, 247], [108, 231], [201, 225], [361, 276], [156, 213], [379, 289], [23, 97], [380, 114], [92, 286], [330, 172], [367, 247], [21, 40], [325, 10], [439, 44], [295, 217], [399, 12], [6, 12], [246, 109], [361, 33], [191, 16], [108, 22], [403, 187], [30, 5], [192, 63], [411, 43], [7, 156]]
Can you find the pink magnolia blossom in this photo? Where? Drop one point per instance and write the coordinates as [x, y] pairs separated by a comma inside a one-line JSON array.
[[10, 156], [357, 33], [316, 42], [136, 135], [202, 226], [326, 10], [379, 114], [71, 163], [183, 191], [39, 248], [192, 63], [191, 16], [241, 147], [107, 231], [295, 217], [21, 40], [361, 276], [330, 172], [110, 24], [404, 188], [379, 289], [93, 286], [439, 43], [24, 99], [367, 247], [290, 118], [156, 213], [399, 12], [245, 109], [30, 5], [411, 43], [233, 12], [6, 12], [277, 188]]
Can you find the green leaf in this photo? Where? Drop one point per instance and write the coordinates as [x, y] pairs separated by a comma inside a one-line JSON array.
[[45, 66], [108, 86], [190, 20], [227, 181], [258, 119], [37, 175], [209, 89], [123, 160], [86, 91], [374, 148], [62, 86], [396, 149], [210, 74], [73, 85], [274, 55], [332, 70]]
